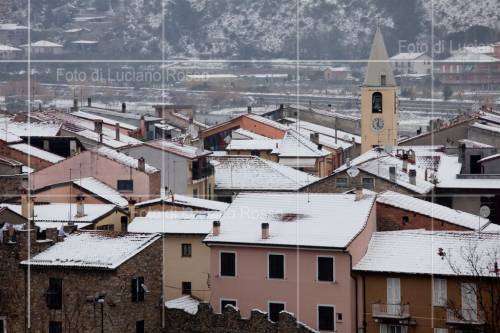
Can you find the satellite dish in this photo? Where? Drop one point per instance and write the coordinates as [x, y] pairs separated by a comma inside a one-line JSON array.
[[353, 172], [484, 211]]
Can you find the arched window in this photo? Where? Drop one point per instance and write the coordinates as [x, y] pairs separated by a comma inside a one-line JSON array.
[[377, 102]]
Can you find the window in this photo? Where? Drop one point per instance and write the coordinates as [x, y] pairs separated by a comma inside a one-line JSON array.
[[383, 79], [186, 250], [405, 220], [54, 294], [139, 326], [326, 269], [138, 289], [274, 310], [55, 327], [326, 315], [123, 223], [276, 266], [439, 295], [228, 264], [195, 192], [224, 302], [125, 185], [368, 183], [377, 102], [110, 227], [385, 328], [186, 288], [341, 182], [3, 324], [393, 295]]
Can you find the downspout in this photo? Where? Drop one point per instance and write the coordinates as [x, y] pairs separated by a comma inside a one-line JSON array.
[[355, 292], [364, 303]]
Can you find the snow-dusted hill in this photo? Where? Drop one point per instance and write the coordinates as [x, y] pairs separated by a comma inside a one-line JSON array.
[[258, 28]]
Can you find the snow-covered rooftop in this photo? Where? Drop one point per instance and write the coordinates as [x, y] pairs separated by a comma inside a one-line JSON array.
[[296, 145], [417, 252], [487, 127], [450, 167], [470, 57], [327, 131], [37, 152], [266, 121], [8, 137], [176, 222], [258, 144], [108, 121], [433, 210], [102, 190], [93, 249], [44, 43], [176, 148], [123, 159], [489, 158], [184, 200], [243, 134], [305, 219], [7, 48], [187, 303], [238, 172], [30, 129], [405, 56]]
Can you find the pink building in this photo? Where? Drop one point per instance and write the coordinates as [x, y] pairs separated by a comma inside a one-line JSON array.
[[130, 176], [292, 252]]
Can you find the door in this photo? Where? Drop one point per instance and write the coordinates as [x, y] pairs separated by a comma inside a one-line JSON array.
[[469, 301], [393, 296]]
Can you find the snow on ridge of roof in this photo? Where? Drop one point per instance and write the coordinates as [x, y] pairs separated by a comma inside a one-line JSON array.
[[243, 134], [474, 144], [103, 190], [294, 144], [7, 48], [109, 121], [485, 49], [252, 144], [416, 252], [187, 151], [184, 200], [295, 219], [37, 152], [176, 222], [433, 210], [489, 158], [187, 303], [465, 56], [93, 249], [487, 127], [123, 159], [82, 41], [44, 43], [246, 172], [341, 135], [407, 56]]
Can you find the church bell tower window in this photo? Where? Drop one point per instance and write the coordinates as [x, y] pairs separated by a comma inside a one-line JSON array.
[[377, 102]]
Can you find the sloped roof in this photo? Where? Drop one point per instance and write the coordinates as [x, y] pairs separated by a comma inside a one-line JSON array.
[[433, 210], [176, 222], [407, 56], [65, 212], [93, 249], [184, 200], [37, 152], [239, 172], [187, 303], [102, 190], [179, 149], [296, 145], [122, 158], [416, 252], [378, 64], [294, 219]]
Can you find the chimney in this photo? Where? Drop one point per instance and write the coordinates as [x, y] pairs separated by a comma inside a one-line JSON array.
[[392, 173], [143, 127], [282, 106], [124, 107], [27, 206], [405, 162], [89, 102], [141, 164], [265, 230], [131, 209], [98, 125], [117, 131], [80, 210], [216, 228], [249, 109], [75, 104], [412, 175], [314, 137], [358, 192], [100, 137], [461, 154]]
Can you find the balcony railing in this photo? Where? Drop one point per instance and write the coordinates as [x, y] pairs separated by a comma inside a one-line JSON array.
[[465, 316], [203, 172], [400, 311]]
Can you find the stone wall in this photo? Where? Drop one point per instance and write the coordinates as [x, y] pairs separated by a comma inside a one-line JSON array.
[[205, 321]]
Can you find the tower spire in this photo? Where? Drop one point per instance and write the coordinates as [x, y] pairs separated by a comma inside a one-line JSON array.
[[379, 70]]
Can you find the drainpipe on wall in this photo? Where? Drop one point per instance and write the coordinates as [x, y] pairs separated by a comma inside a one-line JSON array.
[[355, 292]]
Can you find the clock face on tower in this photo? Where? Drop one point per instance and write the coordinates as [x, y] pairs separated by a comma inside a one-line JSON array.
[[377, 124]]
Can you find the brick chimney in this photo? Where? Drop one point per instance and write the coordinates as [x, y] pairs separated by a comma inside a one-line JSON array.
[[141, 164], [216, 228], [358, 193], [143, 127], [249, 109], [117, 131], [131, 209], [412, 175], [314, 137], [265, 230]]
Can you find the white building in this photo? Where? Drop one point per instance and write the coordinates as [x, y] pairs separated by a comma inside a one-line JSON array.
[[412, 63], [43, 47]]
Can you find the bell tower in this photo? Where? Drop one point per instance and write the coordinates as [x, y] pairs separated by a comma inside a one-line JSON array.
[[379, 100]]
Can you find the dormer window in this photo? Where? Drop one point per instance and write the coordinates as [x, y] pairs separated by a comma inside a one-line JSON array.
[[377, 102]]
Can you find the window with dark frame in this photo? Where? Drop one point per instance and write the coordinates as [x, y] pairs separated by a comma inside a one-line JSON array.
[[368, 183], [137, 289], [228, 264], [326, 320], [225, 302], [341, 182], [186, 250], [405, 220], [139, 326], [276, 266], [326, 267], [186, 288], [125, 185], [54, 294], [274, 311], [55, 327], [377, 102]]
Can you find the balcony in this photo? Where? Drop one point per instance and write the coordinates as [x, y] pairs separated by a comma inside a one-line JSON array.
[[203, 172], [464, 317], [396, 311]]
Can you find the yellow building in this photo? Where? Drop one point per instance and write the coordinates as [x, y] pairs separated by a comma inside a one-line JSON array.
[[379, 100]]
